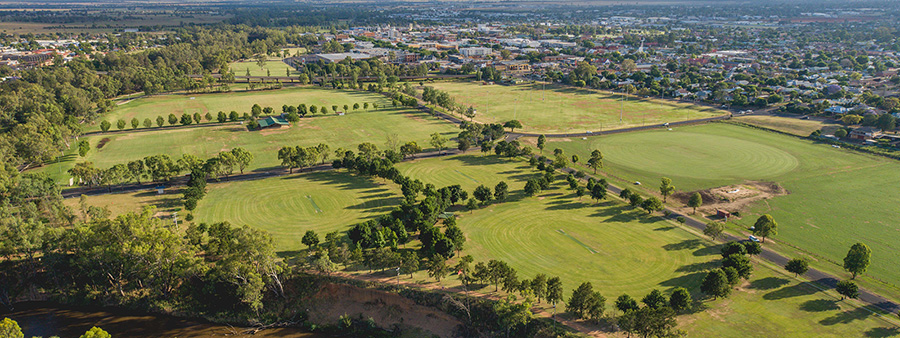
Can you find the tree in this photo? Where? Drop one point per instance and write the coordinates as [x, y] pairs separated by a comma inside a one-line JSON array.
[[714, 229], [160, 121], [739, 262], [512, 125], [471, 204], [539, 286], [652, 204], [437, 267], [173, 119], [654, 299], [541, 142], [410, 149], [715, 284], [857, 260], [648, 322], [96, 332], [83, 147], [625, 303], [135, 123], [355, 106], [120, 124], [753, 248], [186, 119], [310, 239], [586, 303], [598, 192], [765, 226], [532, 187], [733, 248], [554, 290], [635, 200], [409, 263], [501, 190], [104, 125], [197, 118], [148, 123], [680, 299], [847, 289], [596, 160], [208, 117], [439, 142], [798, 266], [483, 194], [666, 188], [233, 116], [511, 314], [695, 201], [10, 329], [242, 158]]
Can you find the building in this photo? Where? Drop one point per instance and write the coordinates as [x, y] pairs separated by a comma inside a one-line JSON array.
[[475, 51], [274, 122], [865, 133], [327, 58]]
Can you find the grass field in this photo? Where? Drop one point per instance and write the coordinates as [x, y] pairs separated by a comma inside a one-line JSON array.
[[163, 105], [617, 249], [559, 109], [119, 204], [273, 67], [286, 207], [337, 131], [620, 250], [837, 197], [787, 124]]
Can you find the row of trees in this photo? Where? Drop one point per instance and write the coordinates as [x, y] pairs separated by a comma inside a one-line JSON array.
[[162, 168]]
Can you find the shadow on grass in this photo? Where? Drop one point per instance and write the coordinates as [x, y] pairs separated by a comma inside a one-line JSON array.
[[801, 289], [883, 332], [847, 316], [820, 305], [708, 250], [688, 244], [687, 281], [698, 267], [768, 283]]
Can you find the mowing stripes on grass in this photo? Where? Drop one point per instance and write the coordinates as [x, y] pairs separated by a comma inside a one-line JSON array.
[[576, 241], [315, 207], [466, 176]]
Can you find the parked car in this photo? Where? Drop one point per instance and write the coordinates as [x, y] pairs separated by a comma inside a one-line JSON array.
[[753, 238]]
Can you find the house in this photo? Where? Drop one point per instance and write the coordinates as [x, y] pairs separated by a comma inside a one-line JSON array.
[[865, 133], [273, 122], [837, 110]]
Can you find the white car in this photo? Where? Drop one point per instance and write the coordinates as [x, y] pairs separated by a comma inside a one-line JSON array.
[[753, 238]]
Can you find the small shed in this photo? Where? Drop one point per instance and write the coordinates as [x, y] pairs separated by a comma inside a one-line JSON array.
[[723, 214], [160, 189]]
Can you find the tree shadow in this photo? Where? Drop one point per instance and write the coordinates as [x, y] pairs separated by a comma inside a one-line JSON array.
[[665, 228], [791, 291], [687, 281], [697, 267], [768, 283], [883, 332], [687, 244], [708, 250], [820, 305], [845, 317]]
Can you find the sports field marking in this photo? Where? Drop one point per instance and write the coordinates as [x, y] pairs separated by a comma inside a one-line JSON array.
[[466, 176], [314, 204], [577, 241]]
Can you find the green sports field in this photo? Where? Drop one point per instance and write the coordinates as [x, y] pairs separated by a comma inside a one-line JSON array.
[[620, 250], [163, 105], [836, 197], [337, 131], [286, 207], [557, 109]]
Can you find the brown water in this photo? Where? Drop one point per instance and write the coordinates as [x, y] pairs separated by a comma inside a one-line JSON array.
[[45, 319]]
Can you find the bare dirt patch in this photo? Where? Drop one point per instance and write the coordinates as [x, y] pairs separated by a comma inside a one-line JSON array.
[[102, 142], [271, 131], [732, 198], [387, 309]]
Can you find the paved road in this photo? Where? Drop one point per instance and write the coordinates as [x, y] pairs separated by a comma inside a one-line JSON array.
[[814, 275]]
